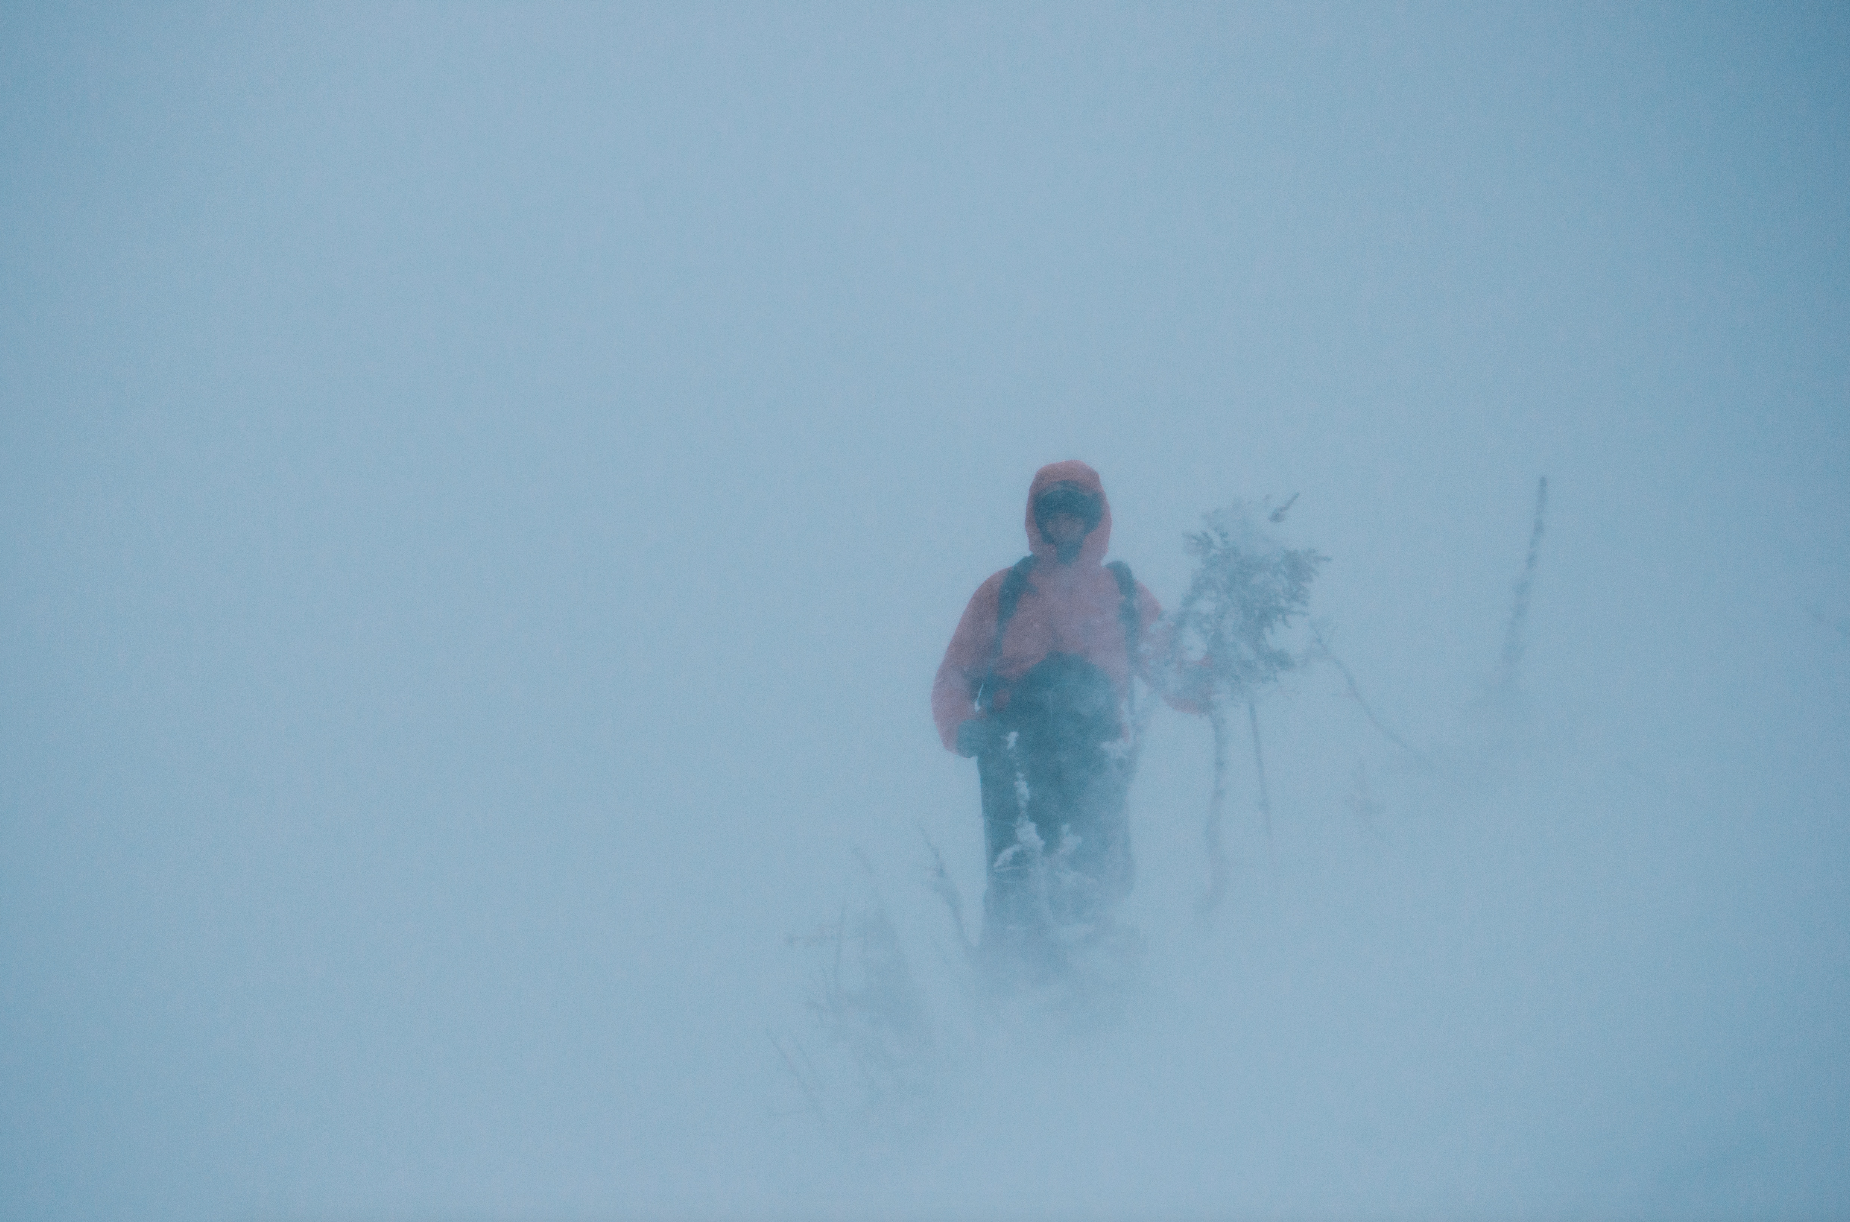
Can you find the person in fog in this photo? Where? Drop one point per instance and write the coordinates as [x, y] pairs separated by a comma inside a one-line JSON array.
[[1035, 686]]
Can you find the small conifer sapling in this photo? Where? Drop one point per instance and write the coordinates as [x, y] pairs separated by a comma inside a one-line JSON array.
[[1223, 648]]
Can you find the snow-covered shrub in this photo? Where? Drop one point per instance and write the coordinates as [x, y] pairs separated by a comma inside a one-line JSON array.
[[1222, 646]]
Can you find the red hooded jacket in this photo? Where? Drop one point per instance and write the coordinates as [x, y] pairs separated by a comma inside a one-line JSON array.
[[1066, 608]]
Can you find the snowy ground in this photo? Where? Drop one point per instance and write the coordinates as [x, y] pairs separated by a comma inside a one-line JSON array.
[[1544, 976]]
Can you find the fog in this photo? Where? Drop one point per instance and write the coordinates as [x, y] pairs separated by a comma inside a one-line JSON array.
[[486, 490]]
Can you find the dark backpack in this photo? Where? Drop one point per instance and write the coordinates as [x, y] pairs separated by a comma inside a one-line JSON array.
[[1009, 597]]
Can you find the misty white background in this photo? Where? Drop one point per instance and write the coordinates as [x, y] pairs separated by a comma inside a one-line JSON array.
[[485, 490]]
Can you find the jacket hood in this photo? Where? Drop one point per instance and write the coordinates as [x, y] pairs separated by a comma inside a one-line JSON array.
[[1092, 550]]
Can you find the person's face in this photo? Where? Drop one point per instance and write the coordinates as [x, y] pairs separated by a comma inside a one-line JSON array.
[[1063, 530]]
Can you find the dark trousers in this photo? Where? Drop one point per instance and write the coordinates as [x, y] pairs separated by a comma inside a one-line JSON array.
[[1055, 824]]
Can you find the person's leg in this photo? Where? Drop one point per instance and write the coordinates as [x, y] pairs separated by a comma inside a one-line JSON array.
[[1005, 873], [1085, 825], [997, 773]]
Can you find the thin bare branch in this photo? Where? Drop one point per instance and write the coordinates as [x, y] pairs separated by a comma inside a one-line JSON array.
[[1355, 694], [941, 885], [1265, 795], [1218, 869]]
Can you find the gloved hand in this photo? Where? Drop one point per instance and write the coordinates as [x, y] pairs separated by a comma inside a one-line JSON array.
[[977, 735]]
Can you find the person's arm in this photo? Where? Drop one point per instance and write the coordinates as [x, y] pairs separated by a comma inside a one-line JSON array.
[[965, 661], [1153, 660]]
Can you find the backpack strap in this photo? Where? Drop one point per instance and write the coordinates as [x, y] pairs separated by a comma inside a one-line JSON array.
[[1127, 607], [1007, 599], [1129, 616]]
